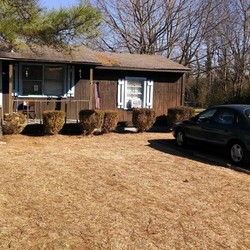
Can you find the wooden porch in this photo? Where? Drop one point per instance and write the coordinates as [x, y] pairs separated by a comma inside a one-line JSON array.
[[34, 108]]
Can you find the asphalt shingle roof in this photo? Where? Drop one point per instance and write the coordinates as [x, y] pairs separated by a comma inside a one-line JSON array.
[[83, 55], [79, 54], [137, 62]]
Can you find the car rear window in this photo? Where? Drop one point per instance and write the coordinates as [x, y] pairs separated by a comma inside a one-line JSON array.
[[247, 113]]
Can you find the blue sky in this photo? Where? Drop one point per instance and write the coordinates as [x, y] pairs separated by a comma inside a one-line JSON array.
[[49, 4]]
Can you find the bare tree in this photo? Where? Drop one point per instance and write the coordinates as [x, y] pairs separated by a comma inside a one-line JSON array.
[[240, 45], [212, 37], [197, 28], [234, 47], [142, 26]]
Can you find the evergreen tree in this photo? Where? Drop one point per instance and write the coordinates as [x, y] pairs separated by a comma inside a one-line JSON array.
[[25, 21]]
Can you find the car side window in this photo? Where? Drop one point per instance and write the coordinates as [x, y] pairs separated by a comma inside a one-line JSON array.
[[225, 117], [207, 115]]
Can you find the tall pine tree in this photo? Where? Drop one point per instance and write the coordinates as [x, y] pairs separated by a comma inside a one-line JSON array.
[[25, 21]]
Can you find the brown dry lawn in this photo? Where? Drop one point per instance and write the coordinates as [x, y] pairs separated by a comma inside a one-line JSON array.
[[115, 191]]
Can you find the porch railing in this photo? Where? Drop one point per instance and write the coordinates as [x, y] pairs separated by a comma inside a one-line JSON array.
[[34, 108]]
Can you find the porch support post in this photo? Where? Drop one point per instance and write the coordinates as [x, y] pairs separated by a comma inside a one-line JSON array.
[[11, 77], [183, 89], [91, 73]]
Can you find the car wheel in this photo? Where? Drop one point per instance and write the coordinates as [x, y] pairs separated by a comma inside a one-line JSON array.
[[238, 154], [180, 138]]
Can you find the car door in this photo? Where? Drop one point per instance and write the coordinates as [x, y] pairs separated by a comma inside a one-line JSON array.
[[221, 127], [197, 128]]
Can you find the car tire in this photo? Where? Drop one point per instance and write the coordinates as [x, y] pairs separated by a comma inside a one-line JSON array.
[[180, 138], [238, 154]]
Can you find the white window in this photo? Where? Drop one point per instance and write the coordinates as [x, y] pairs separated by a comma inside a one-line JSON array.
[[54, 80], [46, 80], [135, 92]]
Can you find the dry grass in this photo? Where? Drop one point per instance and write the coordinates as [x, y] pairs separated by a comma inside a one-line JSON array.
[[114, 191]]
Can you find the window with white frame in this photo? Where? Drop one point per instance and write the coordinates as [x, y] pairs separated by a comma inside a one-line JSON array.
[[54, 78], [46, 80], [135, 92]]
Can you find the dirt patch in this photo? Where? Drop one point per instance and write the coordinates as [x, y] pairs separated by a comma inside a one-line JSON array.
[[116, 191]]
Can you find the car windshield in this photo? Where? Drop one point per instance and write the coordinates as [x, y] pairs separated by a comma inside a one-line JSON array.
[[247, 113]]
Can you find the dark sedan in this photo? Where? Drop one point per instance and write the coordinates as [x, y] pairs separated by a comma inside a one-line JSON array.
[[226, 126]]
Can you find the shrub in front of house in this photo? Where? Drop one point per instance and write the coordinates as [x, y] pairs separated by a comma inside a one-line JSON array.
[[143, 119], [111, 118], [53, 121], [179, 113], [90, 121], [101, 114], [14, 123]]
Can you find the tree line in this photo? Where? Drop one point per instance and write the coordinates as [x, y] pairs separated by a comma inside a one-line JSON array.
[[210, 37]]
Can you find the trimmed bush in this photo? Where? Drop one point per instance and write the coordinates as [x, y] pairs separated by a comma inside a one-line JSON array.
[[179, 113], [90, 120], [53, 121], [101, 114], [110, 121], [14, 123], [103, 120], [143, 119]]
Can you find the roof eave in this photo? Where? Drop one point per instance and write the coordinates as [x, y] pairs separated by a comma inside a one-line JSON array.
[[48, 61], [143, 69]]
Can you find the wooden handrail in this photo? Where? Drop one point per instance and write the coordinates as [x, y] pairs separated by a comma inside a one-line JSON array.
[[32, 107]]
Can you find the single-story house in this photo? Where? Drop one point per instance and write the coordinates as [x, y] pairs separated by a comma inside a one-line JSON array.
[[46, 78]]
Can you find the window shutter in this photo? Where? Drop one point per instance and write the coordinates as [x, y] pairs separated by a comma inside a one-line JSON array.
[[121, 93], [70, 84], [149, 94]]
